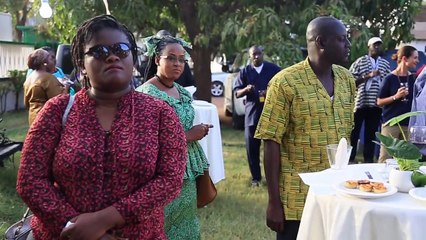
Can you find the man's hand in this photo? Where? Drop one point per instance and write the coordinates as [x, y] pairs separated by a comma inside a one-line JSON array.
[[275, 217], [249, 88], [374, 73]]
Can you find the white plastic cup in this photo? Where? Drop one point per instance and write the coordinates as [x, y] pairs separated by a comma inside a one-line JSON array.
[[331, 153]]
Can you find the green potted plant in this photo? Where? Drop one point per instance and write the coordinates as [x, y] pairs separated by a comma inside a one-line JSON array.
[[404, 152]]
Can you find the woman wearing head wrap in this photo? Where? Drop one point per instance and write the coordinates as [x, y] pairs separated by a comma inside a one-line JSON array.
[[41, 85], [169, 56]]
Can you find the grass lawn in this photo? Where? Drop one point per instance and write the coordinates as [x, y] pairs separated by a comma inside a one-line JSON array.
[[238, 212]]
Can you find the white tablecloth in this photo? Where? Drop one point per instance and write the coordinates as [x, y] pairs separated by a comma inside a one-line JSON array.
[[331, 216], [212, 144]]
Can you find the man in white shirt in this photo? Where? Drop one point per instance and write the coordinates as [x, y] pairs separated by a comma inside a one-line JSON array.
[[368, 71]]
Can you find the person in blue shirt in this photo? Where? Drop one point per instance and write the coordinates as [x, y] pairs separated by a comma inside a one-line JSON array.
[[59, 74], [252, 83]]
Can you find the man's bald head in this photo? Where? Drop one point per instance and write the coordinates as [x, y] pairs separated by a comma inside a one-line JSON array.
[[322, 26], [327, 40]]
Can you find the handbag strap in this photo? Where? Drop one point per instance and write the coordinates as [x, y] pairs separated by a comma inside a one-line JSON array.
[[64, 120], [26, 214], [67, 110]]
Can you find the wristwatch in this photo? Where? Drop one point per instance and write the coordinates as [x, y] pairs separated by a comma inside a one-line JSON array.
[[393, 98]]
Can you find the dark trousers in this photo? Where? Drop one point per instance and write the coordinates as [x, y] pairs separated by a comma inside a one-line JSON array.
[[253, 152], [371, 118], [291, 228]]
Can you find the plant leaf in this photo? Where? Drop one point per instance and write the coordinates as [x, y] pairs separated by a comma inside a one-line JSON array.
[[395, 120], [399, 148], [408, 165]]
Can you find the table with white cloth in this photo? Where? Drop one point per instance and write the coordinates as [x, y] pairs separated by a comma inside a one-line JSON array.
[[206, 113], [329, 215]]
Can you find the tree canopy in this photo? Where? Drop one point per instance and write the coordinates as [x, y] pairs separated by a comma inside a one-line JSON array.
[[281, 28], [230, 26]]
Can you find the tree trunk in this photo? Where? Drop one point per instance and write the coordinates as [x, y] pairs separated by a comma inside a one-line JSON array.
[[200, 54], [202, 72], [21, 19], [16, 101]]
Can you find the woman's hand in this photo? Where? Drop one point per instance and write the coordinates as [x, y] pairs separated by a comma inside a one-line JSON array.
[[108, 237], [93, 226], [198, 132], [401, 93], [87, 226]]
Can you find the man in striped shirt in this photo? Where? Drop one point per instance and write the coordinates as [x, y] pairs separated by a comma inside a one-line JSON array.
[[368, 71]]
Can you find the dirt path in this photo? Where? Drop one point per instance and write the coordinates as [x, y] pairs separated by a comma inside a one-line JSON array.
[[219, 102]]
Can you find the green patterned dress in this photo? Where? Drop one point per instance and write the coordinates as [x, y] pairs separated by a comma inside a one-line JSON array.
[[181, 221]]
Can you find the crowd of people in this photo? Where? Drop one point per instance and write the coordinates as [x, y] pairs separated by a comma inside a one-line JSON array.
[[118, 162]]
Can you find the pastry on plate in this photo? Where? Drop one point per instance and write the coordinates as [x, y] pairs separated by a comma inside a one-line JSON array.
[[377, 184], [360, 182], [351, 184], [379, 189], [365, 187]]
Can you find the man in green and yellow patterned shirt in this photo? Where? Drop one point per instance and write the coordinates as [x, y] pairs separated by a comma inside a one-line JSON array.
[[308, 106]]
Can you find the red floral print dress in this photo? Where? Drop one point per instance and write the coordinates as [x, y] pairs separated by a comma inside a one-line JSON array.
[[137, 166]]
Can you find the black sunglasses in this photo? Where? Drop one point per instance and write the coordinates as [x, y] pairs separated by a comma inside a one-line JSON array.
[[101, 51]]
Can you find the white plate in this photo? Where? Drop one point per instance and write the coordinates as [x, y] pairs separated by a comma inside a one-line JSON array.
[[418, 193], [201, 103], [360, 194]]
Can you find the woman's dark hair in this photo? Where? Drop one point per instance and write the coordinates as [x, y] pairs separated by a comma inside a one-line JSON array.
[[151, 68], [37, 59], [91, 27], [405, 51]]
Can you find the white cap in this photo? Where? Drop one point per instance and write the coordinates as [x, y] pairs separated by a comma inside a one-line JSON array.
[[373, 40]]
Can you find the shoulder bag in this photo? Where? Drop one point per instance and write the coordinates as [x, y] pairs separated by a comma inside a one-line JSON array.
[[206, 190], [21, 229]]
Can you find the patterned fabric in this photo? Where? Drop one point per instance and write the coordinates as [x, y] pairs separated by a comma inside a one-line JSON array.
[[361, 67], [180, 216], [38, 90], [419, 100], [300, 116], [137, 166], [181, 220]]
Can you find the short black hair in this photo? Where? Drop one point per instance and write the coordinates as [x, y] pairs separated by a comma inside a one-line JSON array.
[[161, 45], [89, 28]]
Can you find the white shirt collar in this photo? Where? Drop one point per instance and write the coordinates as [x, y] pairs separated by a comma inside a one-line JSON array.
[[258, 69]]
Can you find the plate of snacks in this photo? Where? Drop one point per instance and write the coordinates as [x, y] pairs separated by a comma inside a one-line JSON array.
[[365, 189]]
